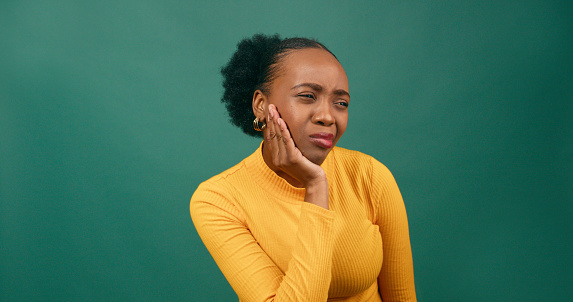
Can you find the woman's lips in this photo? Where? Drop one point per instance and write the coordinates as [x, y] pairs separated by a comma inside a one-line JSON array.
[[323, 140]]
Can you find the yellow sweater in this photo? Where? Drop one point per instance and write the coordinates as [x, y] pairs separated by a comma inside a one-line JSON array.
[[273, 246]]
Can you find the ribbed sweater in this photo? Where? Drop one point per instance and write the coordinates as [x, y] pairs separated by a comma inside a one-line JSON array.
[[273, 246]]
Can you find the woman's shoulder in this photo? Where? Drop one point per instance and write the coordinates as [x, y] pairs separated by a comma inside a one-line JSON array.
[[223, 181], [231, 172], [217, 194]]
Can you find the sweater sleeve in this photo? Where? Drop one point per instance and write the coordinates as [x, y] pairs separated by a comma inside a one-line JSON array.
[[250, 271], [396, 279]]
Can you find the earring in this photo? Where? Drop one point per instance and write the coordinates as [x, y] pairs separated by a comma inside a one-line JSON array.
[[257, 125]]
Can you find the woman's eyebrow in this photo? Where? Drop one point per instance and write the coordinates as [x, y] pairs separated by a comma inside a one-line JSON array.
[[310, 85], [340, 92], [319, 88]]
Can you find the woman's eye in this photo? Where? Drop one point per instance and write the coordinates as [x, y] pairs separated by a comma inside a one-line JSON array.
[[305, 95], [344, 104]]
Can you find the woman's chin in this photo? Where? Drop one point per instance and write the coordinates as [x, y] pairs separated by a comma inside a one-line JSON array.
[[317, 156]]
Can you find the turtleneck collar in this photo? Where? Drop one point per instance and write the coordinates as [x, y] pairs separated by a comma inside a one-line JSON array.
[[275, 185]]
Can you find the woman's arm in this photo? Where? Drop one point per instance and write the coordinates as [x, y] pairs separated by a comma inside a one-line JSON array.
[[396, 279], [249, 270]]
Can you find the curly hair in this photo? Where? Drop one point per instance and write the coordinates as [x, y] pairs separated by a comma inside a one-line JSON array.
[[253, 66]]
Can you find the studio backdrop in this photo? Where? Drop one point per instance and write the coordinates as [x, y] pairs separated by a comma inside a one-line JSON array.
[[110, 117]]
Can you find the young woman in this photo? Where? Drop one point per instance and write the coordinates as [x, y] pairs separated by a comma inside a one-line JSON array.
[[301, 219]]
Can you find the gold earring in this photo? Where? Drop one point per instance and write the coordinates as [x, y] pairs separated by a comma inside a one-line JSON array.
[[257, 126]]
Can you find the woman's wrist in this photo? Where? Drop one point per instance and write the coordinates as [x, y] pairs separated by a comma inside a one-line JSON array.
[[315, 178], [316, 192]]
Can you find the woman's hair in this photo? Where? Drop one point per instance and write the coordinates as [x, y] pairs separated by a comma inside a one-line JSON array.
[[254, 65]]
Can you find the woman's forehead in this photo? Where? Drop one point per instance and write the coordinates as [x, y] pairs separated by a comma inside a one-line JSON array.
[[312, 65]]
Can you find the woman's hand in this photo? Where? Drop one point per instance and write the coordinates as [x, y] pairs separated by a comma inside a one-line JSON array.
[[285, 155], [288, 158]]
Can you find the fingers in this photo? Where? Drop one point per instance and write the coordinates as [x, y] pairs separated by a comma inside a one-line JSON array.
[[271, 134], [286, 139], [279, 126], [278, 137], [287, 153]]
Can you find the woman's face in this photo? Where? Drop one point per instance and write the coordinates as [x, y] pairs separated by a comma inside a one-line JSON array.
[[311, 96]]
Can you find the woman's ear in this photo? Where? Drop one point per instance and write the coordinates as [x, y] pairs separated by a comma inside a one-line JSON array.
[[260, 105]]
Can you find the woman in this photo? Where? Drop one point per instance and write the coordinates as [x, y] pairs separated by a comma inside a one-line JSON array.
[[300, 219]]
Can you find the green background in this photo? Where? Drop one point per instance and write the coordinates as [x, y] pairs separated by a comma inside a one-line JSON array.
[[110, 118]]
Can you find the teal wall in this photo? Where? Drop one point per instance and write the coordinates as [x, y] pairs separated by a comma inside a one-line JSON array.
[[110, 118]]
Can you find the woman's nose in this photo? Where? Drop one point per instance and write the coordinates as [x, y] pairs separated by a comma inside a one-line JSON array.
[[323, 115]]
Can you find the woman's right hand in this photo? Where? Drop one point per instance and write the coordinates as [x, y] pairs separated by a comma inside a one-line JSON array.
[[288, 158]]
